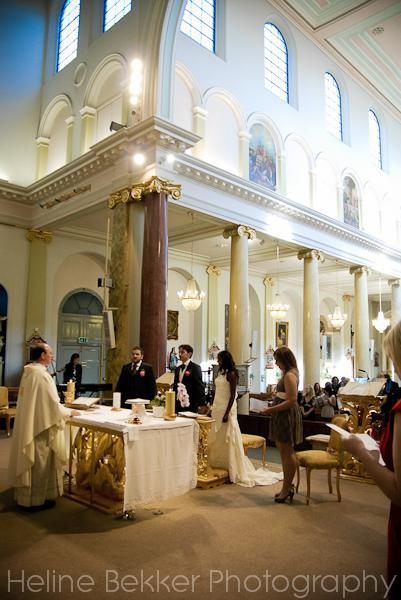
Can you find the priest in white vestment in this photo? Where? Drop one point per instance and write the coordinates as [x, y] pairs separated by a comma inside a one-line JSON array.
[[38, 453]]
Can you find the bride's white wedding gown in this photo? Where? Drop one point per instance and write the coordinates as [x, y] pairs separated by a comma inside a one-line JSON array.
[[225, 443]]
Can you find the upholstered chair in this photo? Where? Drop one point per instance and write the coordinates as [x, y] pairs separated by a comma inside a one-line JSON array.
[[5, 411], [254, 441]]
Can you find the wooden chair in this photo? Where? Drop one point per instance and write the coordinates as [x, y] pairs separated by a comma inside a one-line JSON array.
[[254, 441], [324, 459], [5, 411]]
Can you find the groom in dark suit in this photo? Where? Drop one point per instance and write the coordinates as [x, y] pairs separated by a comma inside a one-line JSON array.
[[137, 379], [190, 374]]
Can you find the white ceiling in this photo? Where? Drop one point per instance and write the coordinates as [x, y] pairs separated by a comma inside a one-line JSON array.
[[364, 35]]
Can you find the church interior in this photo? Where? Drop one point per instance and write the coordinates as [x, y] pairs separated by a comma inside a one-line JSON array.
[[217, 173]]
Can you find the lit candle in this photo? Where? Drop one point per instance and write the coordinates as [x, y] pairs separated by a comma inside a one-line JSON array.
[[70, 391], [116, 400], [170, 403]]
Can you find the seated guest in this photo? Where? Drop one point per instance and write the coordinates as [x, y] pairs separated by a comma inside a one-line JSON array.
[[329, 403], [307, 404], [335, 384], [319, 402], [137, 379], [73, 370]]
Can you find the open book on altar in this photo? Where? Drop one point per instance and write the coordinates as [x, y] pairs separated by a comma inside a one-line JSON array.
[[369, 443], [83, 402]]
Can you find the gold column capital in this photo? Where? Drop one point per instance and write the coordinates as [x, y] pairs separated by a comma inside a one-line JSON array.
[[138, 190], [347, 298], [395, 282], [213, 270], [268, 281], [120, 197], [240, 231], [359, 270], [311, 253], [39, 234]]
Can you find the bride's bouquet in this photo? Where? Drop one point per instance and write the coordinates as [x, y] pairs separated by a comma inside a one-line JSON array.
[[182, 395]]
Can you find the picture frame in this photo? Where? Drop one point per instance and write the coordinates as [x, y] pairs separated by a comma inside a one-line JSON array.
[[281, 333], [172, 324]]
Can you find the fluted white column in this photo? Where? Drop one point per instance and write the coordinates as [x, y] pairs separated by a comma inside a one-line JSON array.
[[311, 323], [212, 305], [239, 291], [362, 360]]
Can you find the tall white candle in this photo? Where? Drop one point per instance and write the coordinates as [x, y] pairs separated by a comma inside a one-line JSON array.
[[116, 400]]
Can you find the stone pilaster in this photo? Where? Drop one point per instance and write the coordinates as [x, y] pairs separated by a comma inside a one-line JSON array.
[[42, 154], [199, 115], [239, 291], [88, 119], [70, 138], [311, 316], [244, 138], [37, 281]]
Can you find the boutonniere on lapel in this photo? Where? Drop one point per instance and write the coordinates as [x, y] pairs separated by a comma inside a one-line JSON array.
[[187, 373], [142, 373]]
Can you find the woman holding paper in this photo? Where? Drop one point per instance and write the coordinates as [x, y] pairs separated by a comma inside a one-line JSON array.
[[225, 442], [388, 477], [286, 424]]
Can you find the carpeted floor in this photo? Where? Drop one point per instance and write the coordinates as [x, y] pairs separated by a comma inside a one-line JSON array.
[[221, 543]]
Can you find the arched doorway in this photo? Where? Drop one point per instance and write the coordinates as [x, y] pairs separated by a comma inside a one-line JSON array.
[[80, 330], [3, 330]]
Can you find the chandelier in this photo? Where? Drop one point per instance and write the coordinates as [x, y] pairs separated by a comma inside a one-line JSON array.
[[278, 309], [337, 319], [192, 298], [380, 323]]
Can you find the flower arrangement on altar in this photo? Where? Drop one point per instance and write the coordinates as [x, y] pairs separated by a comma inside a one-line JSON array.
[[158, 400], [182, 395]]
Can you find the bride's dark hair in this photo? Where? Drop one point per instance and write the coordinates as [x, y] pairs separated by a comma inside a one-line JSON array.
[[226, 363]]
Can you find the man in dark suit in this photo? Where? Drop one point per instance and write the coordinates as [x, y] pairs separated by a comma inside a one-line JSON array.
[[137, 379], [190, 374]]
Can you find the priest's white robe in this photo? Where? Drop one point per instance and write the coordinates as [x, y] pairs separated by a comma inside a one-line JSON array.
[[38, 452]]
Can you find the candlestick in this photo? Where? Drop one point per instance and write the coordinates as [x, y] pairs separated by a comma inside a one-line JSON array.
[[116, 400], [170, 403]]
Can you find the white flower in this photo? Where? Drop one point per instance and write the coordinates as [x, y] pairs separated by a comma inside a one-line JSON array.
[[182, 395]]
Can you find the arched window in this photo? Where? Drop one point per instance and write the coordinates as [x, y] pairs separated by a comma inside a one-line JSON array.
[[276, 62], [375, 142], [114, 10], [68, 32], [82, 303], [333, 106], [199, 22]]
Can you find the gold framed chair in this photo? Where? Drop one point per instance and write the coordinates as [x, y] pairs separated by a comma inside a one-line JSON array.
[[254, 441], [5, 411], [329, 459]]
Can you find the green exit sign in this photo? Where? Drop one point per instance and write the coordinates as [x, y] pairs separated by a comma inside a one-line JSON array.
[[82, 340]]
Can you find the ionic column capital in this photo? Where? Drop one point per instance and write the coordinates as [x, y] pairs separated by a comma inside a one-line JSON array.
[[347, 298], [240, 231], [311, 253], [394, 282], [39, 234], [359, 270], [213, 270], [268, 281], [138, 190], [42, 141]]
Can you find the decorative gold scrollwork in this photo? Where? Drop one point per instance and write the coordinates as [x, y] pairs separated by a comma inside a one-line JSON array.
[[39, 234]]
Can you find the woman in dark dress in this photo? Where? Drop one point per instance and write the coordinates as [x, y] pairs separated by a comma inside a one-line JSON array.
[[286, 423], [73, 370], [388, 477]]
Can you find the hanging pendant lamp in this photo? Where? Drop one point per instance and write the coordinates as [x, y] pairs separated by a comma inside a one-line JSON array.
[[337, 319], [380, 323], [192, 298], [278, 310]]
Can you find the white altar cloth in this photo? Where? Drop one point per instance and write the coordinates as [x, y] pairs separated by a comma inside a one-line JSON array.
[[160, 456]]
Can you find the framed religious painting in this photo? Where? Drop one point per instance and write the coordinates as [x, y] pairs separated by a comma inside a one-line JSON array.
[[281, 333], [172, 324]]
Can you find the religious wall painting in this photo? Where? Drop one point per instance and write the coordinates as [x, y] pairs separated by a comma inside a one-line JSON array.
[[350, 202], [262, 157], [172, 324], [281, 333]]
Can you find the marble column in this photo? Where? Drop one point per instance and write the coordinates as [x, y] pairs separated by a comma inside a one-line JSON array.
[[362, 360], [42, 153], [346, 329], [269, 282], [140, 292], [311, 316], [37, 282], [70, 138], [244, 138], [88, 118], [212, 305], [239, 337]]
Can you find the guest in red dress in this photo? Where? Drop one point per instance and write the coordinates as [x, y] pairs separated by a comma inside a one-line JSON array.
[[388, 477]]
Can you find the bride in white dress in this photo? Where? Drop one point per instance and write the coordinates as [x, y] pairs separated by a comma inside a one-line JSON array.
[[226, 450]]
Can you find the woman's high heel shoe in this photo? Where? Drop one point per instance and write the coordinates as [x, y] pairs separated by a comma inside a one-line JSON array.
[[282, 500]]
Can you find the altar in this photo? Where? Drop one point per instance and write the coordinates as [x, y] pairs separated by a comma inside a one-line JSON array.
[[115, 465]]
